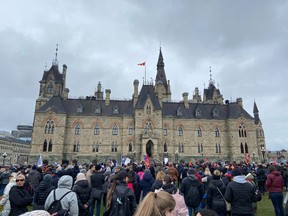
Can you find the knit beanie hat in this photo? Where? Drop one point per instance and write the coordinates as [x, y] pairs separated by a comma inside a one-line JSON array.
[[47, 178], [216, 174], [80, 176], [236, 172]]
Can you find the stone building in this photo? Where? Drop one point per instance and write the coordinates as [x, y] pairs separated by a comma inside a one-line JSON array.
[[100, 128]]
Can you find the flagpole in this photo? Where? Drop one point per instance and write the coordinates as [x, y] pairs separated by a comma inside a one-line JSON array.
[[145, 73]]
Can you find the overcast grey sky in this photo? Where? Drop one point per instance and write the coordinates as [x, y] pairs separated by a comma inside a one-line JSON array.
[[245, 43]]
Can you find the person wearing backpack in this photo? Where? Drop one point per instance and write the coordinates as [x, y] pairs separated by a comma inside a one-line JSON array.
[[69, 198], [192, 190], [120, 198]]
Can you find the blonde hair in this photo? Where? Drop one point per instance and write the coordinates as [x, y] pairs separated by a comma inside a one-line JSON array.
[[156, 204], [207, 171], [160, 175]]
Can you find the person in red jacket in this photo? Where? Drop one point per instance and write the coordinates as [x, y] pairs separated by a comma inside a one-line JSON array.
[[274, 185]]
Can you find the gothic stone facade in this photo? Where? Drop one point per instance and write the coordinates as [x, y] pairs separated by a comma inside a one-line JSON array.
[[98, 128]]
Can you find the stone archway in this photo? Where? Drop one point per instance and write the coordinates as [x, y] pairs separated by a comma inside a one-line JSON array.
[[149, 148]]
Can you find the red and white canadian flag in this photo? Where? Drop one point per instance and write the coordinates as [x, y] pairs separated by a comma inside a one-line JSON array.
[[141, 64]]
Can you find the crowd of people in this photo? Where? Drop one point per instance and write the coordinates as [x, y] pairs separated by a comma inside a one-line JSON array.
[[141, 189]]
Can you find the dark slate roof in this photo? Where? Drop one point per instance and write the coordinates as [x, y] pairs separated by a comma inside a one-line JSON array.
[[230, 111], [255, 108], [55, 71], [70, 106], [142, 98], [14, 140]]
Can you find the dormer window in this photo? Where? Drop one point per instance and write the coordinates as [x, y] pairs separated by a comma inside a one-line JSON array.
[[98, 109], [116, 110], [50, 88], [197, 112], [179, 111], [215, 113], [79, 108]]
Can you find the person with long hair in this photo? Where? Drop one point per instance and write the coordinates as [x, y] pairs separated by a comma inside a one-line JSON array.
[[156, 204]]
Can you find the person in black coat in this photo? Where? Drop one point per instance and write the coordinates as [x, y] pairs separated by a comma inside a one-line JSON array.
[[158, 183], [19, 197], [97, 181], [146, 183], [42, 192], [168, 185], [215, 201], [83, 191]]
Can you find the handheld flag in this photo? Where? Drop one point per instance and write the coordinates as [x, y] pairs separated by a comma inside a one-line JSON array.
[[40, 161]]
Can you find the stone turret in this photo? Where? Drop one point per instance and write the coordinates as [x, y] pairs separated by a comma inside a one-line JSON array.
[[107, 97]]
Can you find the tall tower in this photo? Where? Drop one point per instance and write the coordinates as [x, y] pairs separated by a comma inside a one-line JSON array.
[[53, 83], [161, 85]]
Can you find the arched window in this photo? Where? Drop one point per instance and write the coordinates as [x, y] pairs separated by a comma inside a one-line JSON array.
[[180, 131], [77, 129], [98, 109], [148, 109], [241, 148], [215, 113], [114, 147], [46, 129], [216, 131], [97, 130], [50, 146], [246, 148], [130, 129], [165, 147], [199, 132], [45, 146], [115, 130], [76, 147], [182, 148], [49, 127], [242, 131], [165, 131], [50, 88], [130, 147]]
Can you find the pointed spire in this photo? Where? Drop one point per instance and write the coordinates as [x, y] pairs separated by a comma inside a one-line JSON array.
[[211, 81], [161, 76], [256, 114], [55, 61]]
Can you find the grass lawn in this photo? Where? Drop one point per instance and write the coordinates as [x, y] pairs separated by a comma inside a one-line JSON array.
[[265, 206]]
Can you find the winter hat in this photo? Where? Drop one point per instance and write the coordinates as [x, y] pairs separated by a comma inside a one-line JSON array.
[[98, 167], [192, 171], [80, 176], [147, 171], [47, 178], [249, 176], [236, 172], [121, 175], [216, 174], [34, 167]]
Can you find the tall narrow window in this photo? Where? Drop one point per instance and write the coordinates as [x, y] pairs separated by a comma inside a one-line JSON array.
[[179, 148], [115, 130], [219, 148], [75, 147], [50, 146], [94, 147], [216, 131], [246, 148], [180, 131], [130, 147], [45, 146], [242, 131], [199, 148], [165, 131], [130, 130], [97, 130], [148, 109], [49, 127], [46, 129], [165, 147], [216, 148], [52, 129], [77, 129], [241, 148], [182, 148], [199, 132]]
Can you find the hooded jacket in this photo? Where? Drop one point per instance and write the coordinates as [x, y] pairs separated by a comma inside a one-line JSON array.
[[41, 194], [5, 199], [34, 178], [240, 194], [215, 200], [274, 182], [146, 183], [69, 201]]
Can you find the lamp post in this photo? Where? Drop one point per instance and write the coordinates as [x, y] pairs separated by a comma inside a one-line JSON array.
[[176, 156], [4, 155], [263, 150]]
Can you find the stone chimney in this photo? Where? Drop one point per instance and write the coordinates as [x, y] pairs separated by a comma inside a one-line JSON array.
[[64, 75], [135, 95], [239, 102], [107, 97], [185, 100]]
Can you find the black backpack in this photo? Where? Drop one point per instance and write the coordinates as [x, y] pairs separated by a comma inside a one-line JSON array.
[[56, 206], [122, 204], [193, 198]]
